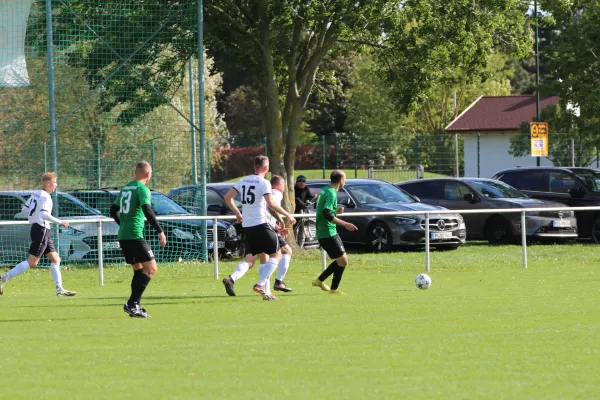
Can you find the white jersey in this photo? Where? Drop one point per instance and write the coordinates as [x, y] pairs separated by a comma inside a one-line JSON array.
[[38, 206], [277, 197], [252, 190]]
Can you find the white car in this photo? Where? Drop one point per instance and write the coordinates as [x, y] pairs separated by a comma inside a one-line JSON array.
[[77, 243]]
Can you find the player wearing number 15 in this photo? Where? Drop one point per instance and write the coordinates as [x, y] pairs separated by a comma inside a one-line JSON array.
[[255, 192], [38, 209], [128, 210]]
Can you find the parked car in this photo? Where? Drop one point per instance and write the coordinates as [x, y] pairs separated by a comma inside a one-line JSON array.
[[379, 233], [184, 238], [575, 187], [481, 194], [78, 242], [189, 198]]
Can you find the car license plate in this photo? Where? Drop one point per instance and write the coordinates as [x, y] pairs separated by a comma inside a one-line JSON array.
[[219, 244], [111, 245], [441, 235], [561, 224]]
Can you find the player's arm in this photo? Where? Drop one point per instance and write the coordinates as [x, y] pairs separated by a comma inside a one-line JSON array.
[[46, 216], [115, 213], [274, 207], [231, 204], [276, 215], [328, 215], [151, 217]]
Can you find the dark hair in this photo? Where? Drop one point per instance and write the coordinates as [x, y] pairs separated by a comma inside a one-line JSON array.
[[337, 175], [260, 161], [276, 180]]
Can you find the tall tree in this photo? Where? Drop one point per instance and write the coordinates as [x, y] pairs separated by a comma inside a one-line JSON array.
[[281, 44]]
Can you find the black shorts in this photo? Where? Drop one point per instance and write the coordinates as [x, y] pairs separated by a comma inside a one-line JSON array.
[[281, 241], [136, 251], [41, 242], [261, 239], [333, 246]]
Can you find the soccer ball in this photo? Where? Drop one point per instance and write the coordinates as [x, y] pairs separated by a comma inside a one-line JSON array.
[[423, 281]]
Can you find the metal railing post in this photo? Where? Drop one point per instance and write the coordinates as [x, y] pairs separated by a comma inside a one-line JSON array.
[[427, 255], [100, 254], [216, 247], [524, 239]]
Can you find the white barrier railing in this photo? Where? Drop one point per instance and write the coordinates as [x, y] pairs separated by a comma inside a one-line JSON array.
[[522, 211]]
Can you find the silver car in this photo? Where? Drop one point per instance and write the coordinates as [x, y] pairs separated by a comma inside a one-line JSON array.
[[78, 242], [379, 233], [481, 194]]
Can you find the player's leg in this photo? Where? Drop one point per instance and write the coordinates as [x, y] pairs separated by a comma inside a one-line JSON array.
[[57, 276], [335, 250], [342, 263], [284, 265], [39, 241], [139, 255], [240, 271]]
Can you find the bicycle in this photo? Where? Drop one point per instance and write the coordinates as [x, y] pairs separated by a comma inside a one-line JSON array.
[[306, 228]]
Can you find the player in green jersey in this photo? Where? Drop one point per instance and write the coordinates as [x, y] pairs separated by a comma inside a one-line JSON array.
[[128, 210], [327, 211]]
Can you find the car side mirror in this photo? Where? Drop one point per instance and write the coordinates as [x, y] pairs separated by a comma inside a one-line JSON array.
[[470, 198], [576, 191]]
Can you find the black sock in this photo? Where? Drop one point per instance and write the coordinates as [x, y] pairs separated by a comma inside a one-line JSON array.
[[134, 285], [327, 273], [138, 285], [337, 277]]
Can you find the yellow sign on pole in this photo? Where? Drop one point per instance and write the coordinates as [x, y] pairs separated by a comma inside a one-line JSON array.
[[539, 139]]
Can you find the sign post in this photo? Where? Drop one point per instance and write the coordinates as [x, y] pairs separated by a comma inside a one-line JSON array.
[[539, 139]]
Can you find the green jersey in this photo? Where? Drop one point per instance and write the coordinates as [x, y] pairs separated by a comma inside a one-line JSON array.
[[130, 201], [327, 200]]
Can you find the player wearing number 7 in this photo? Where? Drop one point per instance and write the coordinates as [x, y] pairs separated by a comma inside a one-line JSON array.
[[38, 209], [255, 192], [128, 210]]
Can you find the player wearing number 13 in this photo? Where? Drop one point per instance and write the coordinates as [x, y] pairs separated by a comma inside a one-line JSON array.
[[38, 209], [128, 210], [255, 192]]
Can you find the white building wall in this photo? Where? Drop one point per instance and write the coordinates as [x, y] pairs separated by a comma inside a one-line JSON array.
[[493, 155]]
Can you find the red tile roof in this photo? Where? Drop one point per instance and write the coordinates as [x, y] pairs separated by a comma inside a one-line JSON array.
[[495, 114]]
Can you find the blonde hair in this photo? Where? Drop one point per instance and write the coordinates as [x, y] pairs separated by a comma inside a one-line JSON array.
[[260, 161], [48, 176]]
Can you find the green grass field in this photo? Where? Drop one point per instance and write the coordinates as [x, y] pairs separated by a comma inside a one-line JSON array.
[[486, 329]]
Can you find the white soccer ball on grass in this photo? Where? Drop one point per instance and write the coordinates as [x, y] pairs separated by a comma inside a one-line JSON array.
[[423, 281]]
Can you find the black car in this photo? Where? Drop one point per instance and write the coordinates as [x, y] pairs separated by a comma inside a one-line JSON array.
[[481, 194], [184, 238], [189, 198], [380, 233], [575, 187]]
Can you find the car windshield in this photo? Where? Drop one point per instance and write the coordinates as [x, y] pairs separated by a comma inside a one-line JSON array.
[[378, 193], [496, 190], [237, 198], [590, 178], [71, 206], [162, 205]]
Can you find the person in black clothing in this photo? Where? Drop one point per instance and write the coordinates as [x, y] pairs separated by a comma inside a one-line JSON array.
[[301, 193]]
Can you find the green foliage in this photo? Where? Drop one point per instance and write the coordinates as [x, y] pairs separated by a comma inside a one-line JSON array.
[[564, 126]]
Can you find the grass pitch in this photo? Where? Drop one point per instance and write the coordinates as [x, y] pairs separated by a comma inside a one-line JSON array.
[[486, 329]]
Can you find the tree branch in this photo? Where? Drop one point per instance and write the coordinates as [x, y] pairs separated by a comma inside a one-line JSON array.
[[235, 25]]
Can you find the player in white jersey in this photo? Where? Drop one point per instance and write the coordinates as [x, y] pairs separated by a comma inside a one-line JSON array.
[[255, 192], [38, 209], [277, 188]]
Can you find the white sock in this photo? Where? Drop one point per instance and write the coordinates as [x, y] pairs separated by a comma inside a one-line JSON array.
[[268, 270], [240, 270], [268, 287], [18, 269], [284, 265], [56, 275], [261, 273]]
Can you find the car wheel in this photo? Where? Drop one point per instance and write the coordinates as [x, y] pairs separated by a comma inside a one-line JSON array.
[[379, 238], [596, 230], [498, 231]]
